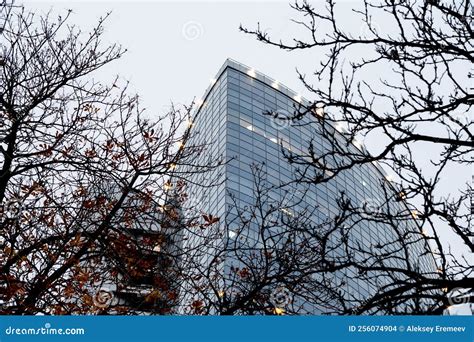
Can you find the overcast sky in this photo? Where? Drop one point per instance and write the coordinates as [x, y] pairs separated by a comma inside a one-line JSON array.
[[176, 47]]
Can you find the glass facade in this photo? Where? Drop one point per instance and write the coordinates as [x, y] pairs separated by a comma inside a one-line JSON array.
[[232, 124]]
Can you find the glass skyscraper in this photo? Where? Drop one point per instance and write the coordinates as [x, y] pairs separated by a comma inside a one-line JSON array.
[[231, 122]]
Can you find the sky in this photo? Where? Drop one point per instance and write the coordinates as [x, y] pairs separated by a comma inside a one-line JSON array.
[[175, 48]]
